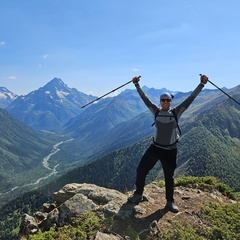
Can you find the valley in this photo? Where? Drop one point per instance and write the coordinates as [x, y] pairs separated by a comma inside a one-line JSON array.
[[52, 171]]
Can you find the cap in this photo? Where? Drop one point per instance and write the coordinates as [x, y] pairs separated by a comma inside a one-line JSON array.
[[166, 94]]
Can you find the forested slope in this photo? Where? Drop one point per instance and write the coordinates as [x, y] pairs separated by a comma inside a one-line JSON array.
[[211, 143]]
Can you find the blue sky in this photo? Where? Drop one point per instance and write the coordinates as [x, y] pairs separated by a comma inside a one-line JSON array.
[[96, 46]]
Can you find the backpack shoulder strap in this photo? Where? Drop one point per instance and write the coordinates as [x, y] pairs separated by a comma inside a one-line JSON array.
[[175, 116], [173, 110], [156, 113]]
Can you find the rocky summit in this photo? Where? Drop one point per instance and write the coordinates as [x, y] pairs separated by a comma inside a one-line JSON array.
[[149, 216]]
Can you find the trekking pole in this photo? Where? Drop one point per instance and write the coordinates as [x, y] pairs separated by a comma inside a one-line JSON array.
[[224, 92], [107, 93]]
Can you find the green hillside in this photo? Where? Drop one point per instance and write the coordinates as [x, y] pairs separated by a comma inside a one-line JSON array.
[[21, 153], [211, 145]]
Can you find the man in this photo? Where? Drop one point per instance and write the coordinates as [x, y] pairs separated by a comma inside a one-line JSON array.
[[164, 146]]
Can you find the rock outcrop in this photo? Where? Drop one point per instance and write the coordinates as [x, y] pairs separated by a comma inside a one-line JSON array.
[[74, 199]]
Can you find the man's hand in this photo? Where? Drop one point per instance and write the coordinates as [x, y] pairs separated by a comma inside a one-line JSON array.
[[203, 78], [135, 80]]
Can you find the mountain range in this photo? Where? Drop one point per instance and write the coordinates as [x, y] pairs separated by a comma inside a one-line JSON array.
[[94, 132], [50, 106]]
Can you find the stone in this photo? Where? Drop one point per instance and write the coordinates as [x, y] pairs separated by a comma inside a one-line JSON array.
[[105, 236], [48, 207], [28, 225]]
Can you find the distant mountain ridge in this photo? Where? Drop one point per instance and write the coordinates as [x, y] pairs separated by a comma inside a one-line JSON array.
[[6, 97], [50, 106], [53, 105]]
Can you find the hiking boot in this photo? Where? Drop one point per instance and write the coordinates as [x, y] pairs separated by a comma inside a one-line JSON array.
[[135, 198], [171, 206]]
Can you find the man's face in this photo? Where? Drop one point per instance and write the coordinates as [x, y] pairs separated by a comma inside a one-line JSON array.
[[165, 103]]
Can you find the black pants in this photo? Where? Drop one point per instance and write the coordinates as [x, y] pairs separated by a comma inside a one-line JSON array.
[[148, 161]]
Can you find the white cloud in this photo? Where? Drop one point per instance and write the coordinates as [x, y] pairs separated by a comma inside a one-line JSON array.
[[2, 43], [45, 56], [12, 78], [135, 69]]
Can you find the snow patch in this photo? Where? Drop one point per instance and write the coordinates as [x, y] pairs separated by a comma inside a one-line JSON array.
[[3, 96], [62, 94]]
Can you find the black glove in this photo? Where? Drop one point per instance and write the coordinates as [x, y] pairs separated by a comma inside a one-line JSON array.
[[135, 80], [203, 79]]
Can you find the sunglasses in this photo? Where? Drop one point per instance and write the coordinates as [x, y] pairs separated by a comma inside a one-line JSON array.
[[166, 100]]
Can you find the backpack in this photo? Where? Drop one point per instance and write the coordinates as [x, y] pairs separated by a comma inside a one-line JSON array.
[[174, 115]]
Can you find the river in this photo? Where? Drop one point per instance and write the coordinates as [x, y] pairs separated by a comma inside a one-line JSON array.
[[45, 163]]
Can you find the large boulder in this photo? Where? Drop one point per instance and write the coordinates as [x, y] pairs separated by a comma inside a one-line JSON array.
[[73, 200]]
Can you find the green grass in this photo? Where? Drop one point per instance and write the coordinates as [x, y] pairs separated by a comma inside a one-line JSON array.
[[82, 228], [208, 183]]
